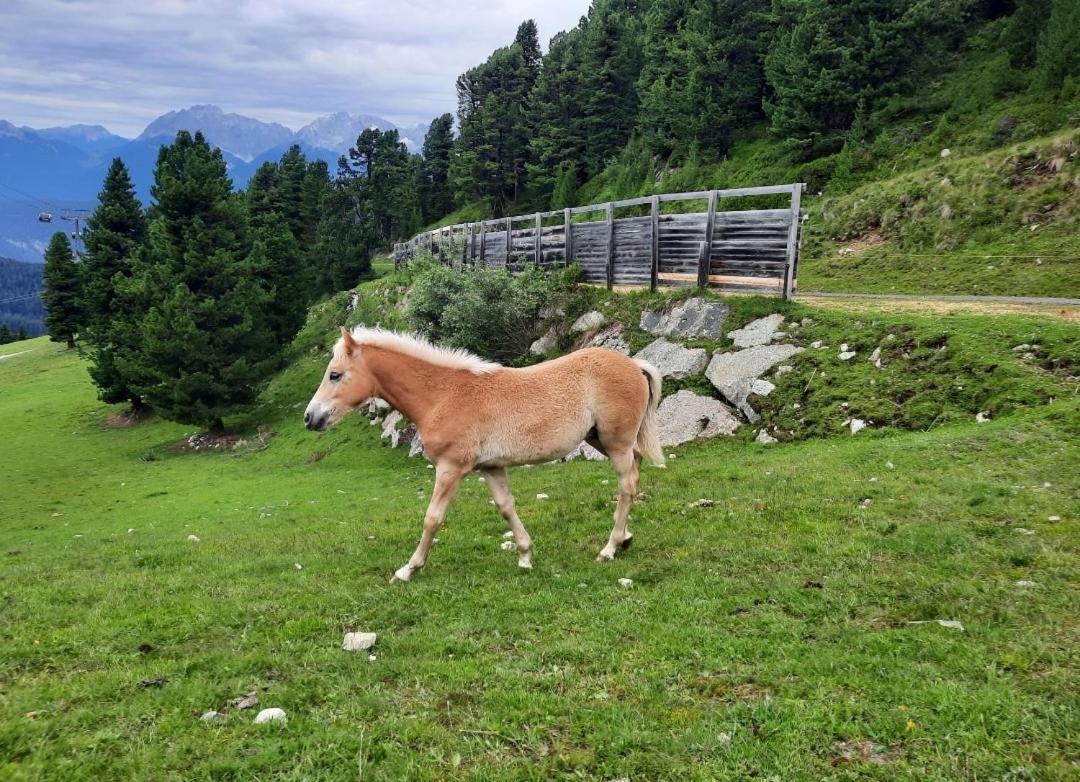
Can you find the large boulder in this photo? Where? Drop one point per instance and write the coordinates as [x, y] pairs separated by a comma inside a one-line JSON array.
[[587, 322], [738, 375], [610, 338], [690, 318], [757, 332], [686, 416], [545, 343], [674, 360], [584, 451]]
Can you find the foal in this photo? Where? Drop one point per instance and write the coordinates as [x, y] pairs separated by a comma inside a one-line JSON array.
[[475, 415]]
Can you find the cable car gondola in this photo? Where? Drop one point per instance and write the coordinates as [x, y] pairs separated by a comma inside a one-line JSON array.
[[45, 217]]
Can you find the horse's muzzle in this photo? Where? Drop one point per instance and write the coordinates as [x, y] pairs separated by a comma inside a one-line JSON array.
[[316, 421]]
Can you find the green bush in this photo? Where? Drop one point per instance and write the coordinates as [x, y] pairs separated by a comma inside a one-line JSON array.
[[489, 311]]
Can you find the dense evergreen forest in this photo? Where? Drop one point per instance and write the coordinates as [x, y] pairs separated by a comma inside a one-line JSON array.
[[654, 94], [20, 308]]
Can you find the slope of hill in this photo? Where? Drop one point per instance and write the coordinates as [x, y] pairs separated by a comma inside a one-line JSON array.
[[20, 303]]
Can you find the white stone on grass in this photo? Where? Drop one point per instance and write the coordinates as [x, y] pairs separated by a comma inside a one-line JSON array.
[[691, 318], [674, 360], [686, 416], [757, 332], [765, 438], [271, 715], [590, 320], [211, 716], [610, 338], [875, 358], [738, 375], [541, 496], [1025, 583], [952, 624], [626, 582], [508, 545], [857, 425], [193, 538], [846, 354], [982, 417], [1023, 531], [1053, 518], [584, 451], [358, 642]]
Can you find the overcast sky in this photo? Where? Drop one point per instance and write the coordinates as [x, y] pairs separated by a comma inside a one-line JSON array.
[[121, 63]]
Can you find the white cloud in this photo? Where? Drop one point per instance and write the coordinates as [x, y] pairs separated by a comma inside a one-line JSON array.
[[121, 63]]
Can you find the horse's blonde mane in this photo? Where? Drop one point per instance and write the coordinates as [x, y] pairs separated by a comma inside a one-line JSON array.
[[418, 347]]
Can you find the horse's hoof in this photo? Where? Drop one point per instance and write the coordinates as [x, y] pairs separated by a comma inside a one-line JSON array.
[[605, 556], [401, 574], [626, 542], [525, 564]]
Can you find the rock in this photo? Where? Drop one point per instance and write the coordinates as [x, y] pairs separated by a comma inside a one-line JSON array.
[[982, 416], [857, 425], [545, 343], [193, 538], [952, 624], [783, 369], [626, 582], [817, 344], [508, 545], [845, 354], [1023, 583], [245, 701], [757, 332], [404, 436], [586, 451], [674, 360], [271, 715], [1053, 519], [610, 338], [1024, 347], [723, 738], [946, 152], [875, 358], [416, 446], [389, 427], [764, 437], [541, 496], [736, 375], [691, 318], [1023, 531], [358, 642], [686, 416], [587, 322], [211, 716], [702, 503]]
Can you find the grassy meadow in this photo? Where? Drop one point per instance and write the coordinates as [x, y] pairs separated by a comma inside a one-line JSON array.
[[767, 635]]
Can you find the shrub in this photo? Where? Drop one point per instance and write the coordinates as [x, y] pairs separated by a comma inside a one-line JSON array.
[[488, 311]]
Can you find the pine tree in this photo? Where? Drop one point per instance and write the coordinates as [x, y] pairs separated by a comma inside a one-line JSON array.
[[1059, 46], [114, 235], [434, 188], [62, 291], [208, 342]]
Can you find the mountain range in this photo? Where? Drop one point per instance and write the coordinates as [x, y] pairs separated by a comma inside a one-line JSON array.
[[51, 169]]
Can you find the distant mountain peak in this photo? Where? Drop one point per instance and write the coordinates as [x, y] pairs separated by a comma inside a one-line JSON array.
[[243, 136]]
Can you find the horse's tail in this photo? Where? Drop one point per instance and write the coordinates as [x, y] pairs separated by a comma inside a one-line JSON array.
[[647, 440]]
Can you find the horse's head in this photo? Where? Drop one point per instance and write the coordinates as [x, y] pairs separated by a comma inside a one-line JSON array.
[[346, 385]]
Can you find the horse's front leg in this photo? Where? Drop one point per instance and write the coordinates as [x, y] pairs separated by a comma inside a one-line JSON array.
[[447, 479]]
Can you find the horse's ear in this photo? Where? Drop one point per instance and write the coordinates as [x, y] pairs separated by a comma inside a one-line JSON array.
[[347, 341]]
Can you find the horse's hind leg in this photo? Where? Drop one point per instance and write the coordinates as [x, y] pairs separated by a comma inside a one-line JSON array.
[[626, 468], [447, 478], [504, 500]]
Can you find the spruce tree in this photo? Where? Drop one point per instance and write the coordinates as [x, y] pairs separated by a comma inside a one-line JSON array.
[[434, 188], [62, 291], [208, 341], [114, 236]]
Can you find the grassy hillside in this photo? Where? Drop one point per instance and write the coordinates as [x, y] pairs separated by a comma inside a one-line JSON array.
[[765, 635]]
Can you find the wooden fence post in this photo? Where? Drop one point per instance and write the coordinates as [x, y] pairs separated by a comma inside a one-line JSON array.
[[654, 273], [610, 245], [703, 265], [509, 241], [568, 238], [792, 241], [536, 241]]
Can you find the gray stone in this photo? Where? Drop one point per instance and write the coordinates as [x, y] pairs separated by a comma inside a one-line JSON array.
[[737, 375], [358, 642], [211, 716], [758, 332], [691, 318], [674, 360], [389, 427], [686, 416], [764, 437], [545, 343], [271, 715], [610, 338], [590, 320], [584, 451], [416, 446]]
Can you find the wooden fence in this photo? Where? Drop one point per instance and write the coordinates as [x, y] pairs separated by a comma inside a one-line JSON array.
[[742, 249]]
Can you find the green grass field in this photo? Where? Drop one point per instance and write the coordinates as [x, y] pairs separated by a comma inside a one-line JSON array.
[[764, 637]]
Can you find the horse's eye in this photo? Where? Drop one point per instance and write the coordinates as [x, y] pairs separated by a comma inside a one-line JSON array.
[[335, 376]]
